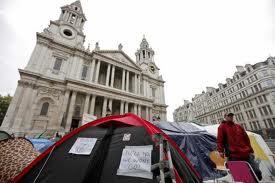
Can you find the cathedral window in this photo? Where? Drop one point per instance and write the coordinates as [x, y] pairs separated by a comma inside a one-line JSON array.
[[148, 54], [84, 72], [143, 53], [73, 18], [44, 109], [57, 64]]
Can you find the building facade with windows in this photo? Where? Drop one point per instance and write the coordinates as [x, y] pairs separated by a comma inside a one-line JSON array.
[[63, 80], [184, 113], [250, 95]]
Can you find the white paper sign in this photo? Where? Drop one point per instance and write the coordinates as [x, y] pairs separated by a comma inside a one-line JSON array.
[[86, 118], [83, 146], [136, 162]]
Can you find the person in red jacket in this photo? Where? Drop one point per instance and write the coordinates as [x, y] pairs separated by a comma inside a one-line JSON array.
[[233, 142]]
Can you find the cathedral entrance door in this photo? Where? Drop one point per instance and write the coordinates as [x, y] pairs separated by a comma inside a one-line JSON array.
[[75, 124]]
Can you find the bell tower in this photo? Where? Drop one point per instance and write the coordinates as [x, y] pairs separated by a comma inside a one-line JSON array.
[[68, 29], [144, 53], [73, 15], [145, 59]]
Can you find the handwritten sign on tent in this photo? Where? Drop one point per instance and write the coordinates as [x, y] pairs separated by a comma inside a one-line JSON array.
[[83, 146], [86, 118], [136, 162]]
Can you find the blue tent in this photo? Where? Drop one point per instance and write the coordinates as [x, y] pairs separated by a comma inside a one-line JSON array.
[[41, 144], [196, 144]]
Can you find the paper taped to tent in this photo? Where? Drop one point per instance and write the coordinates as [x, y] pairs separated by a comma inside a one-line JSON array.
[[122, 148], [198, 141]]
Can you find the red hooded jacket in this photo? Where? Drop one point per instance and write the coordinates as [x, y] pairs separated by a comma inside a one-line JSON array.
[[234, 137]]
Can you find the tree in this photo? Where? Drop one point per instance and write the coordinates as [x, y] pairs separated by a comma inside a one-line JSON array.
[[4, 104]]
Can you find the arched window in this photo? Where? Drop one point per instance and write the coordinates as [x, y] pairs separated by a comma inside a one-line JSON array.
[[44, 109]]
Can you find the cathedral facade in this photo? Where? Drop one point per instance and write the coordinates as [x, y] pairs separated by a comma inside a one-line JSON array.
[[63, 80]]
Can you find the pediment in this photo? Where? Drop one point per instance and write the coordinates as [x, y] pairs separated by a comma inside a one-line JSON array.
[[119, 56]]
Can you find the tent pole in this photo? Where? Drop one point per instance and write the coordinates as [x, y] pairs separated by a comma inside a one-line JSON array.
[[161, 159]]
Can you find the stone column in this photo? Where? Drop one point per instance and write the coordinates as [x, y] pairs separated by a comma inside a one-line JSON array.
[[78, 21], [8, 122], [79, 68], [65, 16], [70, 111], [113, 76], [69, 18], [108, 75], [42, 55], [136, 84], [92, 70], [139, 110], [64, 107], [126, 107], [157, 95], [97, 71], [127, 81], [150, 114], [121, 107], [145, 88], [135, 109], [149, 90], [22, 108], [147, 113], [123, 79], [86, 104], [111, 105], [92, 105], [161, 95], [139, 83], [31, 107], [104, 107]]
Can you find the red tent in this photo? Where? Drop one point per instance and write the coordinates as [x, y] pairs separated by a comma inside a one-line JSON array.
[[57, 165]]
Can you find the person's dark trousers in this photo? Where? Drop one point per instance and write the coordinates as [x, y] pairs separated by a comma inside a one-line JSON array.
[[252, 163]]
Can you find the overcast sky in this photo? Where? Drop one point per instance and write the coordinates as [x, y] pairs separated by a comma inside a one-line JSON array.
[[197, 43]]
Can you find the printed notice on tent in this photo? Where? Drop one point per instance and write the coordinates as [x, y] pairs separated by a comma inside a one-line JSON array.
[[83, 146], [136, 162]]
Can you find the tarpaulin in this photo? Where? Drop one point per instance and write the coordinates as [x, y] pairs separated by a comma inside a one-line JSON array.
[[196, 144], [41, 144]]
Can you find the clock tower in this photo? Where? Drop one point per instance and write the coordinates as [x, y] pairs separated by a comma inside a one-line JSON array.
[[145, 59], [152, 80]]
